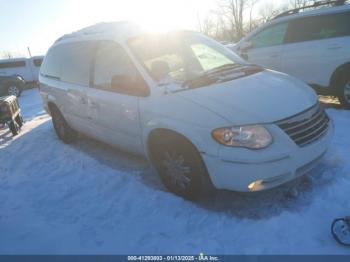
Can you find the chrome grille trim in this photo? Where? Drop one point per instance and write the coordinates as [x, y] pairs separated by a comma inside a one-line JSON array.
[[307, 126]]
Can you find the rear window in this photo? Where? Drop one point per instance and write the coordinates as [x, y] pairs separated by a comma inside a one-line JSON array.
[[51, 66], [12, 64], [318, 27], [69, 62]]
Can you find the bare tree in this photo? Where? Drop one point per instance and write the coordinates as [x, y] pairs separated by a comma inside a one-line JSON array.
[[300, 3], [6, 54], [269, 11], [234, 18], [252, 4], [206, 26], [233, 10]]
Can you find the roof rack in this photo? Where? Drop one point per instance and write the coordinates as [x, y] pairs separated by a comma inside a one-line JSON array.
[[314, 5]]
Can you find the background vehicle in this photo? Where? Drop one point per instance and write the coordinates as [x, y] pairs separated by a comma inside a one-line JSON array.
[[310, 45], [27, 68], [201, 115], [11, 85]]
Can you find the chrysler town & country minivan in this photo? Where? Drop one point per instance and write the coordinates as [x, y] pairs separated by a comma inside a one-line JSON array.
[[202, 116]]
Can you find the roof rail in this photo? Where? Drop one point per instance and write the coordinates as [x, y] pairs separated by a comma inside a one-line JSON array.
[[314, 5]]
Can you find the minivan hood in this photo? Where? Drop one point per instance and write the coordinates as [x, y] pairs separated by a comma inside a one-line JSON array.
[[264, 97]]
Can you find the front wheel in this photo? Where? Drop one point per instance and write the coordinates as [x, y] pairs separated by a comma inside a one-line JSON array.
[[181, 168], [343, 91]]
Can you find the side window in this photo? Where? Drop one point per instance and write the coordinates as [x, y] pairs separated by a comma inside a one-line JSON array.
[[318, 27], [37, 62], [12, 64], [273, 35], [174, 63], [76, 62], [114, 67]]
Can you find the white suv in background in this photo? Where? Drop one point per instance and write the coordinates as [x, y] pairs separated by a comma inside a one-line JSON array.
[[313, 46], [201, 115]]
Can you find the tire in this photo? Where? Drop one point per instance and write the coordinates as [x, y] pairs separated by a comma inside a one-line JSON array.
[[62, 129], [14, 90], [180, 167], [19, 120], [343, 90], [14, 128]]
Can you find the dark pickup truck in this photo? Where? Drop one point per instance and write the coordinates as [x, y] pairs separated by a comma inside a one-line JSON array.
[[11, 85]]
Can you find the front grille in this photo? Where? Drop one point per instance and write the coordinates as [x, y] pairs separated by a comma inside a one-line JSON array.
[[306, 127]]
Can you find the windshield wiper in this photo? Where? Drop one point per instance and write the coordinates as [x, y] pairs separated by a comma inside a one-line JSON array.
[[207, 77], [201, 80], [221, 74], [223, 68]]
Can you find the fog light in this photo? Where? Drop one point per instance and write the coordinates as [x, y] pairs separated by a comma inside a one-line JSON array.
[[256, 185]]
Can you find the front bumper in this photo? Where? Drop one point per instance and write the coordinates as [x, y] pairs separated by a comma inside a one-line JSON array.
[[237, 169]]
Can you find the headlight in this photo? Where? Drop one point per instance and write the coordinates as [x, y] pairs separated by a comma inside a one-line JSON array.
[[254, 136]]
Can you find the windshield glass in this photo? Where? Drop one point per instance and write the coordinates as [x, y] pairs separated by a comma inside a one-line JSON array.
[[178, 57]]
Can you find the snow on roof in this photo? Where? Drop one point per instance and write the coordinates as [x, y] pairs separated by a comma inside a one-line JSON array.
[[122, 29]]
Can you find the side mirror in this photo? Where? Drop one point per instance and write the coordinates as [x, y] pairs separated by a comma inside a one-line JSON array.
[[246, 45], [124, 84]]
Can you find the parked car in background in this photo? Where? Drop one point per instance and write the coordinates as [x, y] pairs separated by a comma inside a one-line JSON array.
[[11, 85], [26, 68], [310, 45], [203, 116]]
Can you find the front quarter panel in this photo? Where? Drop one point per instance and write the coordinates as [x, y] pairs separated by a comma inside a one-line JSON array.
[[174, 113]]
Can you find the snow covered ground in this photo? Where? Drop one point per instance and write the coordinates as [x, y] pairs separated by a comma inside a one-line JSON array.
[[89, 198]]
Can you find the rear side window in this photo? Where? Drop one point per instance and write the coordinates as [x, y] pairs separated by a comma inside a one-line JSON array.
[[318, 27], [76, 63], [271, 36], [69, 62], [13, 64]]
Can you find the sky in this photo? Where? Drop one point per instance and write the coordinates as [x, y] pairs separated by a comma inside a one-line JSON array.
[[38, 23]]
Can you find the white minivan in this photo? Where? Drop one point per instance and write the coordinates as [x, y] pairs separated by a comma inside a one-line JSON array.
[[26, 68], [313, 46], [202, 116]]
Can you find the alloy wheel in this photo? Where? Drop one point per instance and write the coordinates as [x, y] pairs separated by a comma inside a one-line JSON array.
[[176, 169]]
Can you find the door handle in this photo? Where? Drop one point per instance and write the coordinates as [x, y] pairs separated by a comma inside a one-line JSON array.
[[274, 55]]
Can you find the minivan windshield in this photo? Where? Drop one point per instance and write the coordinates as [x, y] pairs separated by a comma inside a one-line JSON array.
[[182, 57]]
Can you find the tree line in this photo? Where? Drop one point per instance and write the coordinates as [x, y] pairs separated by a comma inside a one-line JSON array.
[[233, 19]]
